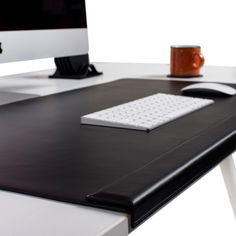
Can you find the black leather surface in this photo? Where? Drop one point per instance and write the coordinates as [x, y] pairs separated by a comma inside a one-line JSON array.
[[46, 152]]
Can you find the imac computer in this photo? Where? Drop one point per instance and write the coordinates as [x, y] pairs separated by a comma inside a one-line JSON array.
[[35, 29]]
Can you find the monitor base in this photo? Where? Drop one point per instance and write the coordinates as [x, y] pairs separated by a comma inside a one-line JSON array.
[[74, 67]]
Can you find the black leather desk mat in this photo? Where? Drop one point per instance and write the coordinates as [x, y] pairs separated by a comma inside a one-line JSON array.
[[46, 152]]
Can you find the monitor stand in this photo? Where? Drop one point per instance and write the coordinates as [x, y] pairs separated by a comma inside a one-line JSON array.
[[74, 67]]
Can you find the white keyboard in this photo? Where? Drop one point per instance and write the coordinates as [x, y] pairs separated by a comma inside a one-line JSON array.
[[146, 113]]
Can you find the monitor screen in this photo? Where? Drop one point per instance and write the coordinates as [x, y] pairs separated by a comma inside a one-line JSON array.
[[32, 29], [42, 14]]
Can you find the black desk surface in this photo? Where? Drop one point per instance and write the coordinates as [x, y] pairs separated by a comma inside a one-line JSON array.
[[46, 152]]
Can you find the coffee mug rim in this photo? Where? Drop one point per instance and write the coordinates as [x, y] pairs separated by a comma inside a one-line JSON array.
[[185, 46]]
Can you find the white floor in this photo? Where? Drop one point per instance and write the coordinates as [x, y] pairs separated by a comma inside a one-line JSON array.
[[202, 210]]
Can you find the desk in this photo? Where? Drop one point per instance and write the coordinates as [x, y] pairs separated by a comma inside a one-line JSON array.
[[34, 216]]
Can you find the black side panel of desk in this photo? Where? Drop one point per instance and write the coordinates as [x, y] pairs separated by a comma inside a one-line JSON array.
[[46, 152]]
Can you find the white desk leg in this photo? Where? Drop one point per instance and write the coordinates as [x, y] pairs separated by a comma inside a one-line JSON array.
[[229, 174]]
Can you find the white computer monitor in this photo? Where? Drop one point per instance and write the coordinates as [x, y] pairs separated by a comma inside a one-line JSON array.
[[34, 29]]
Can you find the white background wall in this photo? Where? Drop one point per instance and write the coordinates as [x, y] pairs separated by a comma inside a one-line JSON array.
[[142, 31]]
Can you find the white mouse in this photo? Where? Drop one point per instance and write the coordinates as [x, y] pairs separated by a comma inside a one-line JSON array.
[[209, 88]]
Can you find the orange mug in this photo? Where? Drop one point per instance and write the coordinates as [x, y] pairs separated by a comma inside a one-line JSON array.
[[186, 61]]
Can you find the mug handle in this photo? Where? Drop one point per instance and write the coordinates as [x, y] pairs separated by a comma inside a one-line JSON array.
[[198, 60]]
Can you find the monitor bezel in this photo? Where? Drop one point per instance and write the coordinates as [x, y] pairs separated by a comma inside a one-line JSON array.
[[38, 44]]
